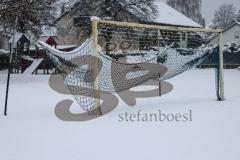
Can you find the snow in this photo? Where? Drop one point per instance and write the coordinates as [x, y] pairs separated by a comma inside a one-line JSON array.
[[32, 131], [59, 47], [49, 31], [170, 16], [166, 15], [231, 47], [62, 53], [63, 47], [3, 51], [67, 3], [16, 36], [93, 18], [44, 38], [33, 66]]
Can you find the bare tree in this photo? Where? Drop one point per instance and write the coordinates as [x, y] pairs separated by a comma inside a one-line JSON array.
[[78, 13], [143, 9], [32, 14], [224, 16], [190, 8], [238, 16]]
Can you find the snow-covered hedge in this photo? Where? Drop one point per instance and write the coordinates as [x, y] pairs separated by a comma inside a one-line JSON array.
[[231, 57], [231, 48]]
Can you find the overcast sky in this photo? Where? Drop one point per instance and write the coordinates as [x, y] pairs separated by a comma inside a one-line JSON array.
[[209, 6]]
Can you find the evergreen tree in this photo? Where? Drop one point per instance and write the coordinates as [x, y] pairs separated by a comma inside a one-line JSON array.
[[224, 16]]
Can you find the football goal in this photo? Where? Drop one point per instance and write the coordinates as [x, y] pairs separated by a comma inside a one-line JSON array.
[[119, 56]]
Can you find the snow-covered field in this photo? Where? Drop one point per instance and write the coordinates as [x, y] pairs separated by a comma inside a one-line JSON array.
[[31, 131]]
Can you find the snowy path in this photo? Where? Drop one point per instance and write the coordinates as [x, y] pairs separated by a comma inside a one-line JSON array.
[[33, 66], [33, 132]]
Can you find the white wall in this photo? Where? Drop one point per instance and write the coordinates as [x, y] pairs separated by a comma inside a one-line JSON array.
[[228, 35]]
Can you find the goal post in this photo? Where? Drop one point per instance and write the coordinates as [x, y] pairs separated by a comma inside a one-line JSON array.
[[219, 69], [117, 39], [96, 92]]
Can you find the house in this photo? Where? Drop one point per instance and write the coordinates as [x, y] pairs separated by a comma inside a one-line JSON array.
[[70, 30], [230, 35], [231, 56], [169, 16], [49, 40], [190, 8], [20, 42]]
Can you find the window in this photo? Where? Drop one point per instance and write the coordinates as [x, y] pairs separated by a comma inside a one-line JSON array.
[[237, 34]]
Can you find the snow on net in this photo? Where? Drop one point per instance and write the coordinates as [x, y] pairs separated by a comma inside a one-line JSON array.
[[127, 57]]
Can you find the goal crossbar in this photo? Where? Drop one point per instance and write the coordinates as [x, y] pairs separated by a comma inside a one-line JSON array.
[[149, 26]]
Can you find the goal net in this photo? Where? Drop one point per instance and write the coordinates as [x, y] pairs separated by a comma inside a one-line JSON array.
[[119, 56]]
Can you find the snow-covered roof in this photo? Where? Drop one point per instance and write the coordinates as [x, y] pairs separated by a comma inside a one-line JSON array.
[[166, 15], [236, 23], [3, 51], [59, 47], [48, 39], [44, 38], [17, 36], [170, 16]]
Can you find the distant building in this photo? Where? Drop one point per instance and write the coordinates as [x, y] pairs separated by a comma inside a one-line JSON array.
[[70, 30], [20, 42], [230, 35], [49, 40], [231, 44]]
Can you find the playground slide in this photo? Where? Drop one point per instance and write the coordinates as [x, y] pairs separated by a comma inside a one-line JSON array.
[[33, 66]]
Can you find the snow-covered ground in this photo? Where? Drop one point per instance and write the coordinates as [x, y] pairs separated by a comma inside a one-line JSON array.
[[31, 131]]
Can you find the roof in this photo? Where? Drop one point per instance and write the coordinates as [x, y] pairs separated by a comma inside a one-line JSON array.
[[170, 16], [17, 36], [44, 38], [236, 23], [3, 51], [48, 39], [69, 5], [166, 15], [63, 47]]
